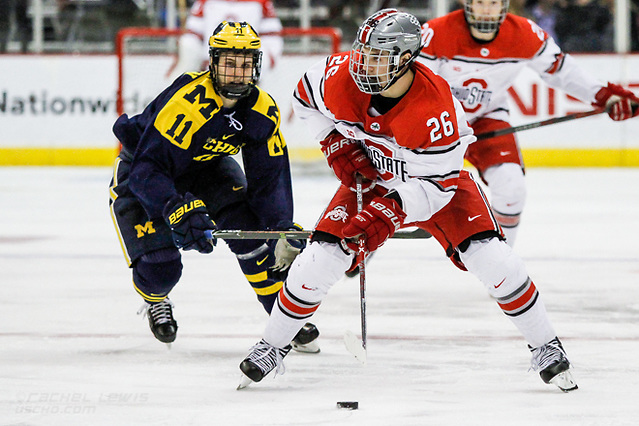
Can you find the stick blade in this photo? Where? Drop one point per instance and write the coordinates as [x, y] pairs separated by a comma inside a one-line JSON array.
[[354, 345]]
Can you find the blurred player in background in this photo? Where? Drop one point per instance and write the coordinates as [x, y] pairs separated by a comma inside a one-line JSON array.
[[174, 179], [381, 115], [480, 50], [206, 14]]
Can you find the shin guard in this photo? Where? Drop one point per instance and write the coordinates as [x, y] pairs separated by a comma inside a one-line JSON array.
[[156, 273]]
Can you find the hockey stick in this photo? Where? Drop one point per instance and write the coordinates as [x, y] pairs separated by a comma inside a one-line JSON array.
[[554, 120], [358, 348], [235, 234]]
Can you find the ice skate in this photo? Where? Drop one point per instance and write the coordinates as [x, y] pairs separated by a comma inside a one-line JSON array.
[[161, 321], [306, 339], [262, 359], [553, 365]]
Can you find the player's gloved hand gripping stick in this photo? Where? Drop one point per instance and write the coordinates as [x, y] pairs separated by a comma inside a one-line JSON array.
[[347, 158], [188, 219], [287, 249]]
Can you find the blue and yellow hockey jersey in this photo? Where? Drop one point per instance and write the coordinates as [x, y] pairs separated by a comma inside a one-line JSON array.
[[186, 127]]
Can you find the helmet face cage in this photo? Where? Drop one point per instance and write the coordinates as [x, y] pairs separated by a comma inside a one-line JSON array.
[[233, 74], [382, 40], [485, 23], [236, 59], [372, 69]]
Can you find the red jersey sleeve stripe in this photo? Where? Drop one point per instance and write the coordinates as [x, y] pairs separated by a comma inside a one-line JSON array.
[[556, 66], [303, 93]]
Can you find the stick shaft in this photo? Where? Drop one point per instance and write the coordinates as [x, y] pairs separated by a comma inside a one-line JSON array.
[[295, 235], [554, 120], [361, 257]]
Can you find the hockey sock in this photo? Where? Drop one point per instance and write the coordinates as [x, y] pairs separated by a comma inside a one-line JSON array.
[[312, 275], [508, 196], [504, 275], [256, 266], [288, 316], [156, 273], [255, 257], [509, 224], [534, 324]]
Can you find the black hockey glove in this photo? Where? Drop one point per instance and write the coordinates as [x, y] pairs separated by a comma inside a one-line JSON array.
[[188, 219], [287, 250]]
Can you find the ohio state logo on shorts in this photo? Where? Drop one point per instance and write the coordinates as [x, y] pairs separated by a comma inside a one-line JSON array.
[[337, 214]]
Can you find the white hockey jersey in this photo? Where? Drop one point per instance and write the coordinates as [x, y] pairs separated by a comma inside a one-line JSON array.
[[480, 73], [206, 15], [417, 147]]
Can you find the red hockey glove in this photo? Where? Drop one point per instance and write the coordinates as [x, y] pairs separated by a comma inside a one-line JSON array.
[[378, 221], [620, 103], [188, 219], [346, 157]]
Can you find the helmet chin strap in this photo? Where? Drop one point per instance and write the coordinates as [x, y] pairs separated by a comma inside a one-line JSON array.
[[400, 72]]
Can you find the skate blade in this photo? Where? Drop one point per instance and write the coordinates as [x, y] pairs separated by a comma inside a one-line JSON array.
[[564, 381], [354, 346], [309, 348], [244, 382]]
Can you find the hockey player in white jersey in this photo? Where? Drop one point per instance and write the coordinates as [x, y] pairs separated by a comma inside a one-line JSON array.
[[207, 14], [381, 115], [480, 50]]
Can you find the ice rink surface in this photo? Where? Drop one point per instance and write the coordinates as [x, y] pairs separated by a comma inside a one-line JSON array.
[[440, 352]]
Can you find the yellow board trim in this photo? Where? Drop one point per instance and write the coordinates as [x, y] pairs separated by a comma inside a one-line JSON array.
[[270, 289], [58, 156], [581, 157], [538, 157]]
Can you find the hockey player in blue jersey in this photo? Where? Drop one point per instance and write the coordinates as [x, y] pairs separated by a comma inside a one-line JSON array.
[[175, 179]]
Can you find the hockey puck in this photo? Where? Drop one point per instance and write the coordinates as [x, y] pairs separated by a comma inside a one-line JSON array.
[[349, 405]]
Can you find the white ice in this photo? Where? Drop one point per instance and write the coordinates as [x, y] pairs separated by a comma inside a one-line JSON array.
[[440, 352]]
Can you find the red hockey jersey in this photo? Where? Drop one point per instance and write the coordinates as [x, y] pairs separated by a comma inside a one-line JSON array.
[[417, 146]]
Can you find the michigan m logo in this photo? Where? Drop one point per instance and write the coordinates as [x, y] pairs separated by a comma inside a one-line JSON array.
[[147, 228]]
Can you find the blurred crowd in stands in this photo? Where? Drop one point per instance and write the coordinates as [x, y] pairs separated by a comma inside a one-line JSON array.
[[577, 25]]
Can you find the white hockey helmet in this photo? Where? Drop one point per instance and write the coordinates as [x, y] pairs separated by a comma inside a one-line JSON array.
[[387, 34], [483, 23]]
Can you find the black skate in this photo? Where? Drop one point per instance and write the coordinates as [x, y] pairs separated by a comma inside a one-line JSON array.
[[262, 359], [161, 321], [553, 365], [306, 339]]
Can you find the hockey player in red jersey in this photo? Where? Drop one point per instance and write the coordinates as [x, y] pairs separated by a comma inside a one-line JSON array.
[[175, 176], [381, 115], [480, 51]]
